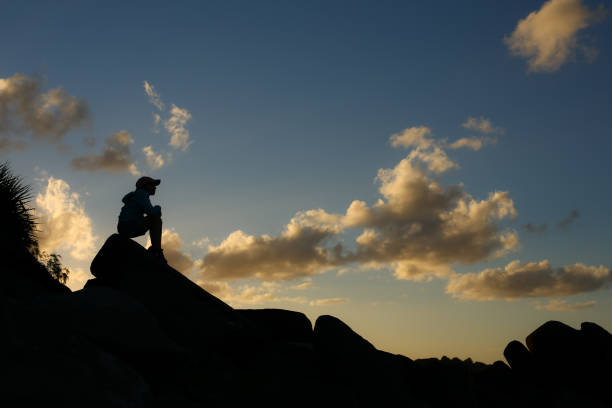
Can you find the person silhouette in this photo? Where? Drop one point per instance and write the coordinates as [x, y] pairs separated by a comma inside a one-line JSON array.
[[138, 216]]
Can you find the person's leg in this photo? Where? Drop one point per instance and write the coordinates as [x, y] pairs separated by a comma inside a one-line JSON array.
[[154, 225]]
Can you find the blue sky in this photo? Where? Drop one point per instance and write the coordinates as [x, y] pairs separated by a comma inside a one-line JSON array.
[[292, 106]]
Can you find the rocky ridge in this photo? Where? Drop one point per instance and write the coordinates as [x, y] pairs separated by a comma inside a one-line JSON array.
[[143, 335]]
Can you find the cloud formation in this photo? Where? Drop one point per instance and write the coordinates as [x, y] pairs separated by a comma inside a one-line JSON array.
[[154, 97], [7, 145], [116, 156], [419, 228], [569, 220], [534, 279], [179, 135], [327, 302], [172, 245], [63, 222], [415, 136], [297, 252], [25, 108], [154, 160], [556, 305], [548, 37], [481, 125], [422, 227], [248, 295], [533, 228]]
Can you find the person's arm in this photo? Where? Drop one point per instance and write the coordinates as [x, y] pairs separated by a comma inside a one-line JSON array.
[[144, 203]]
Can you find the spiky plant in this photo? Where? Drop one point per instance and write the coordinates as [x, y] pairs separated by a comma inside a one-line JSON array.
[[18, 240], [18, 226]]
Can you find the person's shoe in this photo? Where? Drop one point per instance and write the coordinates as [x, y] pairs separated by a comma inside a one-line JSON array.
[[158, 253]]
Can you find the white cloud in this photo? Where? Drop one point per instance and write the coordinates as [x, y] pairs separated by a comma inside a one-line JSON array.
[[156, 122], [474, 143], [412, 137], [422, 227], [24, 108], [304, 285], [154, 97], [481, 125], [556, 305], [248, 295], [172, 245], [327, 302], [201, 243], [7, 145], [419, 229], [116, 156], [77, 278], [298, 252], [154, 161], [63, 222], [179, 138], [436, 159], [534, 279], [548, 37]]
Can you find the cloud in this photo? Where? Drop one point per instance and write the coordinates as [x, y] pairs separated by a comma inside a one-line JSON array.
[[533, 228], [154, 161], [176, 127], [556, 305], [248, 295], [156, 122], [435, 159], [202, 243], [116, 156], [569, 220], [172, 245], [326, 302], [48, 116], [302, 286], [77, 278], [548, 37], [481, 125], [7, 145], [63, 222], [422, 227], [474, 143], [297, 252], [415, 136], [154, 97], [419, 228], [535, 279]]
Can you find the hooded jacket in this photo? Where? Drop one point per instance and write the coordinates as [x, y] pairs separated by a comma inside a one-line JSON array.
[[136, 204]]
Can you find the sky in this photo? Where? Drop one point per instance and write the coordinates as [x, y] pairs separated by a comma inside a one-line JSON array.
[[435, 174]]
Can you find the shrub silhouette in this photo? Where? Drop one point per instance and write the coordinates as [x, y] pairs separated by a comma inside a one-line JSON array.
[[18, 225]]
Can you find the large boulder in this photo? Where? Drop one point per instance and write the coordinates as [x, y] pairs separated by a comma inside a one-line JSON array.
[[333, 336], [23, 277], [561, 358], [189, 315], [72, 374], [280, 325], [519, 358]]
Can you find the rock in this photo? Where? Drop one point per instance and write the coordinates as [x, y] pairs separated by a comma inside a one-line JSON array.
[[518, 357], [280, 325], [552, 339], [69, 374], [23, 277], [333, 336], [188, 314]]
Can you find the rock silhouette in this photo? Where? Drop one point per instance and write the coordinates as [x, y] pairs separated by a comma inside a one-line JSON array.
[[143, 335]]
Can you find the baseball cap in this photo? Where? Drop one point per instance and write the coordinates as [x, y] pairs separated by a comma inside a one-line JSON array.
[[143, 181]]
